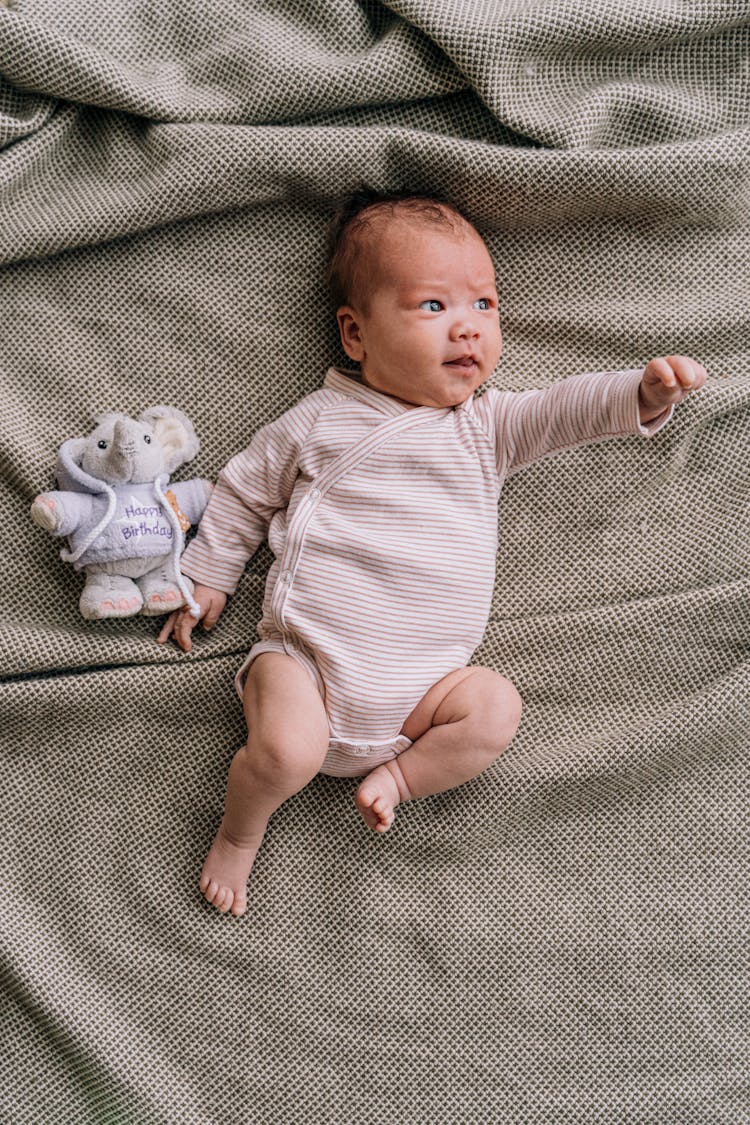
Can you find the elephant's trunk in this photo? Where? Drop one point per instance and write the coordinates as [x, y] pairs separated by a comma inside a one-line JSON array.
[[121, 460]]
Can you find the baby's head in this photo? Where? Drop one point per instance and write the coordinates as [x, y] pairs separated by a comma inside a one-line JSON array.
[[414, 289]]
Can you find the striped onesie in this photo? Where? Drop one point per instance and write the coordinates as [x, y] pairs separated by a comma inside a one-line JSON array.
[[382, 518]]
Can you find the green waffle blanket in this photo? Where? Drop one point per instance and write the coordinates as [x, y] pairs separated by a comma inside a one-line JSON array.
[[564, 938]]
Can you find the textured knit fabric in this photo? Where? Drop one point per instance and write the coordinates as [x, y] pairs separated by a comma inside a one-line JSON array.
[[383, 522], [564, 938]]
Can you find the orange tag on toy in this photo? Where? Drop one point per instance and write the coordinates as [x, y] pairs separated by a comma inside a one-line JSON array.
[[184, 521]]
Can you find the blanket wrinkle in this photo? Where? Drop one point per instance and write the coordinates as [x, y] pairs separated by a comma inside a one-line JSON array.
[[675, 63], [161, 173], [260, 70]]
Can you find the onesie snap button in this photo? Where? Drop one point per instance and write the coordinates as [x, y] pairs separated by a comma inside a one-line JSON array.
[[286, 576], [315, 493]]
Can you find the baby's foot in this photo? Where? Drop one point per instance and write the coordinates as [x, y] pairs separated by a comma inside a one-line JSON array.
[[379, 794], [224, 877]]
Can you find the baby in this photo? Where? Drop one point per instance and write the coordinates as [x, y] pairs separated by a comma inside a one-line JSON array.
[[378, 496]]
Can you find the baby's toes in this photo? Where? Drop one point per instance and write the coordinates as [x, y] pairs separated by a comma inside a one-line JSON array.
[[211, 890], [239, 905], [383, 808], [223, 900], [369, 818], [385, 815], [363, 799]]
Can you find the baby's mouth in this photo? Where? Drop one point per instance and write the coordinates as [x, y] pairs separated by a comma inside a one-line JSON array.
[[464, 361]]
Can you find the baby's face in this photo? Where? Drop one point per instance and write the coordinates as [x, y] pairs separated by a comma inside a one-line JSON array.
[[431, 334]]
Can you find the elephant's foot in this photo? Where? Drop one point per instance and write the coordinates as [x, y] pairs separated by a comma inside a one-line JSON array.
[[109, 595], [161, 594]]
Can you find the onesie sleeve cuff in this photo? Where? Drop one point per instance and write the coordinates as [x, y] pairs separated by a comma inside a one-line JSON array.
[[649, 428], [224, 578], [625, 386]]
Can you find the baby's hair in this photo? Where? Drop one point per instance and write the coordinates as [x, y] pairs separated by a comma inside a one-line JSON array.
[[347, 268]]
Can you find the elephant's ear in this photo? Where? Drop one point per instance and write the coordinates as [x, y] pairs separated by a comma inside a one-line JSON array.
[[74, 450], [175, 433]]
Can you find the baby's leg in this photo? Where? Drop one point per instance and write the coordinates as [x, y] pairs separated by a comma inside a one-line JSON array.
[[459, 727], [287, 741]]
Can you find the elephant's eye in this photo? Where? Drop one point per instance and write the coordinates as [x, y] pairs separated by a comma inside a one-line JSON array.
[[147, 439], [102, 444]]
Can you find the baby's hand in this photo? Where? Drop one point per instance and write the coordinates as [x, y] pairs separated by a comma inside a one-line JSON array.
[[668, 380], [181, 623]]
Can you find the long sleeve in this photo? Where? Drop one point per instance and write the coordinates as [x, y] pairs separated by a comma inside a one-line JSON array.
[[530, 425], [249, 490]]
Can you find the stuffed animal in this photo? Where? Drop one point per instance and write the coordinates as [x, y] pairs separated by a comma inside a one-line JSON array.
[[125, 528]]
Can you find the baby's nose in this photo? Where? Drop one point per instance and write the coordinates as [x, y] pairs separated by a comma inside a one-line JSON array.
[[465, 330]]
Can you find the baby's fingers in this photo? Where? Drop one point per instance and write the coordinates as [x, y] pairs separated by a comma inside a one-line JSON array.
[[180, 625], [660, 371], [167, 628], [688, 373], [697, 375], [184, 627], [676, 373]]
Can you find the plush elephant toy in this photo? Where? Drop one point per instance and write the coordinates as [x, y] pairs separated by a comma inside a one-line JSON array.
[[124, 530]]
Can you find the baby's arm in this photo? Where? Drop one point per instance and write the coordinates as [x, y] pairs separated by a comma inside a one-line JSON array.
[[233, 526], [249, 490], [584, 408]]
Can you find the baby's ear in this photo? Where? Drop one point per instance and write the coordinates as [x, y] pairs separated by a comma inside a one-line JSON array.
[[175, 433], [349, 331]]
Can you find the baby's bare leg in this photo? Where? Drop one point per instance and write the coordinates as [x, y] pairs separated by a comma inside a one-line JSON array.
[[286, 744], [459, 727]]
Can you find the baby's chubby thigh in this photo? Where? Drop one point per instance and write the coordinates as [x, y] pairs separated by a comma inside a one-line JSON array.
[[473, 695]]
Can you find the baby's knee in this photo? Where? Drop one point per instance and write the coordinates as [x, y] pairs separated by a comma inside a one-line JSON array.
[[280, 764], [497, 710]]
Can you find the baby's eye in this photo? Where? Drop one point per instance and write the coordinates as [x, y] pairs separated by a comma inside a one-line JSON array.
[[484, 303], [431, 303]]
